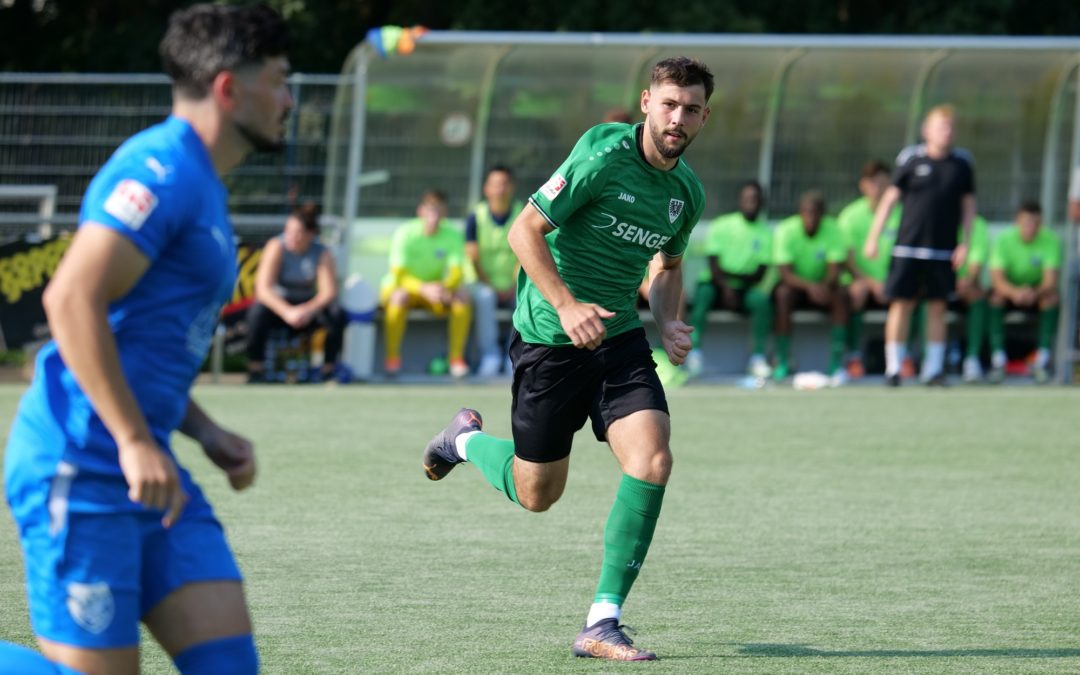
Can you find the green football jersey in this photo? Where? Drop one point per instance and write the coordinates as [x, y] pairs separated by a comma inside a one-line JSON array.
[[740, 245], [1024, 263], [809, 257], [855, 222], [612, 211], [426, 258]]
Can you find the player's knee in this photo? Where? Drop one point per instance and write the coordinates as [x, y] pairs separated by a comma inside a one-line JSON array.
[[225, 656], [660, 466]]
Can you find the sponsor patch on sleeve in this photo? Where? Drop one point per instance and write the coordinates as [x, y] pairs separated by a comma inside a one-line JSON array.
[[553, 187], [131, 203]]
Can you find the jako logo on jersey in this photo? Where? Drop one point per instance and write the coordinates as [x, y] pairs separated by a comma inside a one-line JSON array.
[[91, 605], [633, 233], [131, 203], [627, 198], [674, 209], [553, 187]]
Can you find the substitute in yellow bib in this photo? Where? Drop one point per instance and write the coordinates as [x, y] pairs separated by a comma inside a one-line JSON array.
[[426, 257]]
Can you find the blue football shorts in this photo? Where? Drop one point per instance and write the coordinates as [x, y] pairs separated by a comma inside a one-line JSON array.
[[95, 562]]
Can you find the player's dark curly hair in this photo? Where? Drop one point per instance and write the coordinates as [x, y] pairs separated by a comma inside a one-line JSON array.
[[685, 72], [203, 40]]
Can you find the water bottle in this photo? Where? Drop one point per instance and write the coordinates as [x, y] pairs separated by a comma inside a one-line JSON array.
[[359, 300]]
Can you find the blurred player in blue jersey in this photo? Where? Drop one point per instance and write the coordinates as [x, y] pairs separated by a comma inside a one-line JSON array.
[[113, 531]]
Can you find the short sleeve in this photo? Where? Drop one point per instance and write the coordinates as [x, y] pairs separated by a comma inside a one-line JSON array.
[[997, 253], [134, 201], [1053, 251], [902, 173], [470, 227], [714, 238], [574, 184], [782, 253], [398, 247]]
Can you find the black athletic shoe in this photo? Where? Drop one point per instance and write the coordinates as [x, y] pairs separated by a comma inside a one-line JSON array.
[[440, 455], [938, 380], [606, 640], [892, 380]]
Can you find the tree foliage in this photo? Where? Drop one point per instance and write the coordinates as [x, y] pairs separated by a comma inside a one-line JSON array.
[[122, 35]]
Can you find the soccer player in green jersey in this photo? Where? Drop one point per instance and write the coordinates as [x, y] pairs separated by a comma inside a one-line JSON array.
[[621, 203], [867, 287], [493, 270], [426, 258], [1024, 265], [739, 250], [808, 250]]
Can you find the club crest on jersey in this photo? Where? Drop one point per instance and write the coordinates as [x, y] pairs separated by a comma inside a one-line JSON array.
[[91, 605], [553, 187], [674, 209], [131, 203]]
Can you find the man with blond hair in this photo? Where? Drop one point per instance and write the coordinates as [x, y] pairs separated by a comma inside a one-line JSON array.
[[936, 184]]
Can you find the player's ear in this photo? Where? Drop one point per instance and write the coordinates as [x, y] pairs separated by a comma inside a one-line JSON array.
[[705, 114], [645, 93], [223, 89]]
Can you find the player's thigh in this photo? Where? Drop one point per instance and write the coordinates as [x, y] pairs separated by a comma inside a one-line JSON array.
[[903, 281], [92, 661], [641, 443], [552, 394], [199, 612], [940, 279], [191, 584]]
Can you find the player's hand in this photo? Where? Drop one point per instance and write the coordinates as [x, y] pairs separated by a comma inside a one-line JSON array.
[[152, 478], [1025, 297], [297, 317], [819, 294], [233, 454], [584, 323], [435, 293], [959, 256], [675, 337], [870, 249]]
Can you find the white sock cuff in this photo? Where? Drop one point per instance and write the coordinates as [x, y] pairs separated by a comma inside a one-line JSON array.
[[461, 440], [602, 610]]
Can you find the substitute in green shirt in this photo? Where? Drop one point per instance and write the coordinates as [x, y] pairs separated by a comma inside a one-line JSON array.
[[1024, 264], [808, 250], [738, 248]]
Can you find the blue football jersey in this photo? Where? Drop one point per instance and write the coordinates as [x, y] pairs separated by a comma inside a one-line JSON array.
[[161, 192]]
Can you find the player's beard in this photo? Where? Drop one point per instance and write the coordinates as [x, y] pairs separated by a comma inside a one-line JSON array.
[[668, 151], [260, 142]]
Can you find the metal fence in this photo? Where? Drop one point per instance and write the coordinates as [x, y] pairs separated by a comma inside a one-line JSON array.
[[795, 112], [58, 129]]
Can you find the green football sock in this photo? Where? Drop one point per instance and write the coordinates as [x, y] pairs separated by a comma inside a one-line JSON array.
[[1048, 319], [976, 327], [761, 318], [855, 332], [837, 345], [915, 329], [495, 459], [627, 536], [783, 349], [996, 329], [704, 297]]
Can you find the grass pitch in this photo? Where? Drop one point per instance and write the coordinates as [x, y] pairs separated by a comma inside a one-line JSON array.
[[846, 531]]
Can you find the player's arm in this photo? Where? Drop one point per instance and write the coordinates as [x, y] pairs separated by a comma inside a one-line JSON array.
[[326, 290], [788, 277], [233, 453], [665, 301], [968, 209], [881, 216], [582, 322], [1000, 283], [100, 267], [265, 275]]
